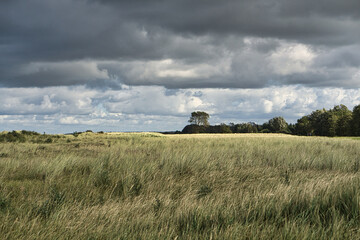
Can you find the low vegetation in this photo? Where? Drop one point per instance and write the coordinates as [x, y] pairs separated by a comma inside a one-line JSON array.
[[151, 186]]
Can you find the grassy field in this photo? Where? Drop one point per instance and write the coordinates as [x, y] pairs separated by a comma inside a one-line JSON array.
[[153, 186]]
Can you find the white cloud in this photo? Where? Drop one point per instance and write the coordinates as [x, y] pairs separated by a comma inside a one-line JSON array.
[[268, 105], [68, 109], [291, 58], [68, 120]]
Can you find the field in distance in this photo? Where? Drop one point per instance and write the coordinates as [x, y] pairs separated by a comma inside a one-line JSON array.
[[154, 186]]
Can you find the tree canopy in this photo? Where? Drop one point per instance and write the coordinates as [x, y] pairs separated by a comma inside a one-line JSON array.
[[278, 125], [199, 118]]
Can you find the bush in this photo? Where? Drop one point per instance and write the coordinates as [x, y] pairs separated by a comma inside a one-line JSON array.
[[193, 128], [29, 133], [13, 137], [76, 134]]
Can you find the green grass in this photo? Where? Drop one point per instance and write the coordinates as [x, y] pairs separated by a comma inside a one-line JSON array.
[[151, 186]]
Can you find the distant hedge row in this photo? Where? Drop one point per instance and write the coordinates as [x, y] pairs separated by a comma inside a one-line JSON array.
[[338, 121]]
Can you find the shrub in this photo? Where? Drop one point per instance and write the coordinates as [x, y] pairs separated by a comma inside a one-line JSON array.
[[76, 134], [12, 137], [30, 133]]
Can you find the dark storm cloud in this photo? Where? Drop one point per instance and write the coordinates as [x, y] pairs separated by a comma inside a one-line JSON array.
[[347, 56], [102, 42], [313, 21]]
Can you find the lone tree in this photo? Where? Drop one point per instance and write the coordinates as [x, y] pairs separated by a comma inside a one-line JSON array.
[[199, 118]]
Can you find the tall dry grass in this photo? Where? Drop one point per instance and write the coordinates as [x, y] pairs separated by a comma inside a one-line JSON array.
[[150, 186]]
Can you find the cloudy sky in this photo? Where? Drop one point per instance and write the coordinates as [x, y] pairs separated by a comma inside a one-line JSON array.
[[145, 65]]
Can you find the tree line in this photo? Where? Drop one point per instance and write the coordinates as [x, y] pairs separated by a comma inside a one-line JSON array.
[[338, 121]]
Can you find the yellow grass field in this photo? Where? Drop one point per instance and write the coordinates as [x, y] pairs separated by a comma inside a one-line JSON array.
[[154, 186]]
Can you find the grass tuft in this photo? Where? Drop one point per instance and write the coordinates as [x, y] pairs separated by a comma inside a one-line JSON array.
[[203, 191]]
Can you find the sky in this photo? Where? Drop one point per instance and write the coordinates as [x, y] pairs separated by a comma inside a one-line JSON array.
[[145, 65]]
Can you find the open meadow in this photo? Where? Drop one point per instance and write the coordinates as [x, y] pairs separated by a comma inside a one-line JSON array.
[[154, 186]]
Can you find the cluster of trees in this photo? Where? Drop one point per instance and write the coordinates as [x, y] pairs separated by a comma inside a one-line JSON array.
[[338, 121]]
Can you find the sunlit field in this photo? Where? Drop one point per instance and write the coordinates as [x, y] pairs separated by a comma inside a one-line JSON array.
[[154, 186]]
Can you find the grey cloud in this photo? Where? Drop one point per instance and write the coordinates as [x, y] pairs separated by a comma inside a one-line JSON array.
[[66, 73], [336, 8], [207, 41], [347, 56], [327, 78], [306, 20]]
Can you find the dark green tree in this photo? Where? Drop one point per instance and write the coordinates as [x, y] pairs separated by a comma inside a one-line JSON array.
[[225, 128], [303, 126], [315, 119], [277, 124], [356, 121], [328, 124], [343, 120], [249, 127], [222, 128], [334, 122], [291, 128], [199, 118]]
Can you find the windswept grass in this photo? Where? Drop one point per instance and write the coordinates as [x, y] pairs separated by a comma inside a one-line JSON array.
[[151, 186]]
